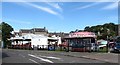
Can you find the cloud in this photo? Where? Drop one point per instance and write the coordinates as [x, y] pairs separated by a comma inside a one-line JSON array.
[[45, 9], [111, 6], [88, 6], [60, 0], [55, 5], [42, 8], [93, 4]]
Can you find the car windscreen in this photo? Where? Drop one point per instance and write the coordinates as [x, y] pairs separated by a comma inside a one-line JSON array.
[[118, 44]]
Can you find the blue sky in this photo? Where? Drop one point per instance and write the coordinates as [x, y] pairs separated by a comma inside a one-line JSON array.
[[58, 16]]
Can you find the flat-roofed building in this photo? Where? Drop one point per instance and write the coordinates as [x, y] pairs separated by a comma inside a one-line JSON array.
[[60, 34], [36, 31], [40, 31], [25, 31]]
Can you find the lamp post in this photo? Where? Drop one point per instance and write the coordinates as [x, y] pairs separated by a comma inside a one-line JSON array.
[[22, 42], [68, 47], [107, 45]]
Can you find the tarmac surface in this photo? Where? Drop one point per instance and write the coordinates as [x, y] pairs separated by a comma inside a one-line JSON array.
[[107, 57], [42, 56]]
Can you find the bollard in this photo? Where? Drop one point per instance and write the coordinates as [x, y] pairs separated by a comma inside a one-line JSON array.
[[54, 47], [33, 47], [107, 51], [37, 47], [48, 47]]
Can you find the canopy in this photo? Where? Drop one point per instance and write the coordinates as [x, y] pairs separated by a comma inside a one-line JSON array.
[[52, 38]]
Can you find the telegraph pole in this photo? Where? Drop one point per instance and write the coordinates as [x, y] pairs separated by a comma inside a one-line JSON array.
[[118, 29]]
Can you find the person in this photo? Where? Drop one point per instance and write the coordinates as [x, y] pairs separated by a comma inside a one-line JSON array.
[[110, 47]]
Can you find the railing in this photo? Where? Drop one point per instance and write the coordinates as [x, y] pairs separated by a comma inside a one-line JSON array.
[[56, 48]]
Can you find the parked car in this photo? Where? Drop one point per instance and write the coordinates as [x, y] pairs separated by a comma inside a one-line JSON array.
[[116, 47], [102, 43], [102, 46]]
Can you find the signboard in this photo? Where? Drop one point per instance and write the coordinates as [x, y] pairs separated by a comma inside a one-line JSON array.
[[82, 34]]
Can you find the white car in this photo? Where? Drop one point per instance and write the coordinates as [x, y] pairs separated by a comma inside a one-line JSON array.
[[102, 46]]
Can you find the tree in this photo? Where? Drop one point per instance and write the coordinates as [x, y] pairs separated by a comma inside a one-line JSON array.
[[71, 31], [87, 28], [103, 31], [76, 30], [0, 26], [6, 33]]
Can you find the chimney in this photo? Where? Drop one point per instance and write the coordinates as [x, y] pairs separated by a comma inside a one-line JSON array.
[[44, 27]]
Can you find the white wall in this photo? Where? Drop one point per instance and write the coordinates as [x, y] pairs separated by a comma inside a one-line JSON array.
[[39, 41]]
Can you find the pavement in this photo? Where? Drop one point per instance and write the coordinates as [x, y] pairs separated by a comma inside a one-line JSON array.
[[107, 57]]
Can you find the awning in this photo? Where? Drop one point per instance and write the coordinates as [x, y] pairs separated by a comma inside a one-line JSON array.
[[20, 39]]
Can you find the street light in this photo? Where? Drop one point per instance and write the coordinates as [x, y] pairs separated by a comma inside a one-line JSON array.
[[107, 45]]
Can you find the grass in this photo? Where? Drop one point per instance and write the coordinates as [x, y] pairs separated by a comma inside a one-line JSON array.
[[103, 50]]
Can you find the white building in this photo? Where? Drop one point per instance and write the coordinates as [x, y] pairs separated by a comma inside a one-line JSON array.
[[35, 40]]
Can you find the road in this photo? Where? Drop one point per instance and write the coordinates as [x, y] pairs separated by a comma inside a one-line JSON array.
[[38, 57]]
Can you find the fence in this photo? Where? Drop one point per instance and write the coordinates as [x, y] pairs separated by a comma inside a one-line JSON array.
[[85, 48]]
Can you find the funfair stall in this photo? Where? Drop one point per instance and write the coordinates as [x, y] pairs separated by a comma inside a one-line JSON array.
[[81, 41]]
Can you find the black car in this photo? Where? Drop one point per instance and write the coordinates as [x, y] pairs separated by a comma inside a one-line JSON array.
[[116, 47]]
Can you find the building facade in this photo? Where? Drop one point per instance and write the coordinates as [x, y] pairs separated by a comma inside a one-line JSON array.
[[61, 34], [40, 31], [36, 31], [24, 32]]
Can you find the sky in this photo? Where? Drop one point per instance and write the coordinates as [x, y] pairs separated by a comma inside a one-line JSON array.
[[58, 16]]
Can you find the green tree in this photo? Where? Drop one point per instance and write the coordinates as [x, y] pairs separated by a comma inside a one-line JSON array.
[[104, 31], [87, 28], [6, 33], [0, 27]]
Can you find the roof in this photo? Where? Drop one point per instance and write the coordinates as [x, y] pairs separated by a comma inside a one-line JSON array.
[[39, 30], [60, 34], [28, 36], [33, 30], [31, 36], [82, 34], [25, 31]]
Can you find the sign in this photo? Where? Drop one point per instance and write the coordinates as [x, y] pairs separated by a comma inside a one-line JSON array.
[[82, 34]]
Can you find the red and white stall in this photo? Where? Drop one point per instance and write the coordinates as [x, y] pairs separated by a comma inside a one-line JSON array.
[[81, 41]]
